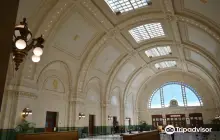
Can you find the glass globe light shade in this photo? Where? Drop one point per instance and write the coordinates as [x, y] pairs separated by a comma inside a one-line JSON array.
[[20, 44], [35, 58], [38, 51]]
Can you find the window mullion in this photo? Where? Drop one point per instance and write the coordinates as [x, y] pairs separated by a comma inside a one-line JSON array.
[[161, 98], [184, 94]]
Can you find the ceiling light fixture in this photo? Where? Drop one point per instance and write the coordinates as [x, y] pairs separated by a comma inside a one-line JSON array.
[[23, 43]]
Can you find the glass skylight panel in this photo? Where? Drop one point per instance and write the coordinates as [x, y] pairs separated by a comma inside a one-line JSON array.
[[158, 51], [126, 5], [147, 31], [165, 64]]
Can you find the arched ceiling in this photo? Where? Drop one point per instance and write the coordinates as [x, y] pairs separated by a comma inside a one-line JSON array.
[[107, 40]]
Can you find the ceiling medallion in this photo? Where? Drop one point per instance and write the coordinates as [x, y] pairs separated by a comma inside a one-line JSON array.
[[23, 43]]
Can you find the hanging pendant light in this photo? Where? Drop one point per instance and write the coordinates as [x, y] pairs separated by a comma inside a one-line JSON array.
[[23, 43]]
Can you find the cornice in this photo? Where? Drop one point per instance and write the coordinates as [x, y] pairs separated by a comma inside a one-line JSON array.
[[23, 94], [22, 88]]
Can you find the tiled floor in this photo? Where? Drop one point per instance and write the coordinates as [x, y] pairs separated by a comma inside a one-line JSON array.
[[104, 137]]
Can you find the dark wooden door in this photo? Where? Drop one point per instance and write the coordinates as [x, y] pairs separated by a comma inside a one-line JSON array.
[[51, 121], [114, 120], [157, 120], [196, 119], [91, 124], [129, 121], [177, 120]]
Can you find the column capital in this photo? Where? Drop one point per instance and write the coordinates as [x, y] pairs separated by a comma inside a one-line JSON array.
[[77, 100]]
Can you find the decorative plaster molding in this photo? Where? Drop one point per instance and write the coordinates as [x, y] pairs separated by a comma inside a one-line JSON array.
[[21, 88], [137, 20], [198, 24], [26, 94], [87, 62], [206, 55], [168, 5], [113, 75], [97, 14]]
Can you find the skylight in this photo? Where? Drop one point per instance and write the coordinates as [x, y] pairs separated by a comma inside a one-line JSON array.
[[147, 31], [158, 51], [165, 64], [126, 5]]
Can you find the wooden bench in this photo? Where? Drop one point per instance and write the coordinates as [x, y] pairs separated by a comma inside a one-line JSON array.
[[150, 135], [71, 135]]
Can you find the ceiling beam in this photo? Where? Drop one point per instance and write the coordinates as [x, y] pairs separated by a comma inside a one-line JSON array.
[[177, 41]]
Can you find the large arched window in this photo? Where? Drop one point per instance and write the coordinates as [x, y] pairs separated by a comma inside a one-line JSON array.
[[180, 93]]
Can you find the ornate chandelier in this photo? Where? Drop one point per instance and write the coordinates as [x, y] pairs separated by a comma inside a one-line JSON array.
[[23, 43]]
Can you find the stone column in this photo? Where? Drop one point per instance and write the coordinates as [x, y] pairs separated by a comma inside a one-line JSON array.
[[9, 108], [8, 13], [71, 115], [122, 115], [104, 117], [8, 114]]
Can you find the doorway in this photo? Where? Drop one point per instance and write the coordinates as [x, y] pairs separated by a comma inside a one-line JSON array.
[[114, 120], [91, 124], [115, 124], [196, 120], [51, 121]]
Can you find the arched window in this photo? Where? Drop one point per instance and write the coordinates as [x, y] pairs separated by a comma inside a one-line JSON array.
[[180, 92]]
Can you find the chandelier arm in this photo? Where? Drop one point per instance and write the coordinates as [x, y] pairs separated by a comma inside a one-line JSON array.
[[31, 45]]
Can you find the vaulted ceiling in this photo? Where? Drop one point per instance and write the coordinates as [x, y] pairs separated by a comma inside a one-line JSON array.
[[132, 45]]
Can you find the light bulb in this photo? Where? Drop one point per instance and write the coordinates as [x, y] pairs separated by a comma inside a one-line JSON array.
[[20, 44], [38, 51], [35, 58]]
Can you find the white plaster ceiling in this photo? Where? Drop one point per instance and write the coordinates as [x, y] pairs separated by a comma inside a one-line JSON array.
[[34, 11], [201, 73], [31, 6], [106, 58], [201, 60], [203, 39], [74, 35], [129, 67], [125, 71], [209, 9], [141, 77], [178, 19]]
